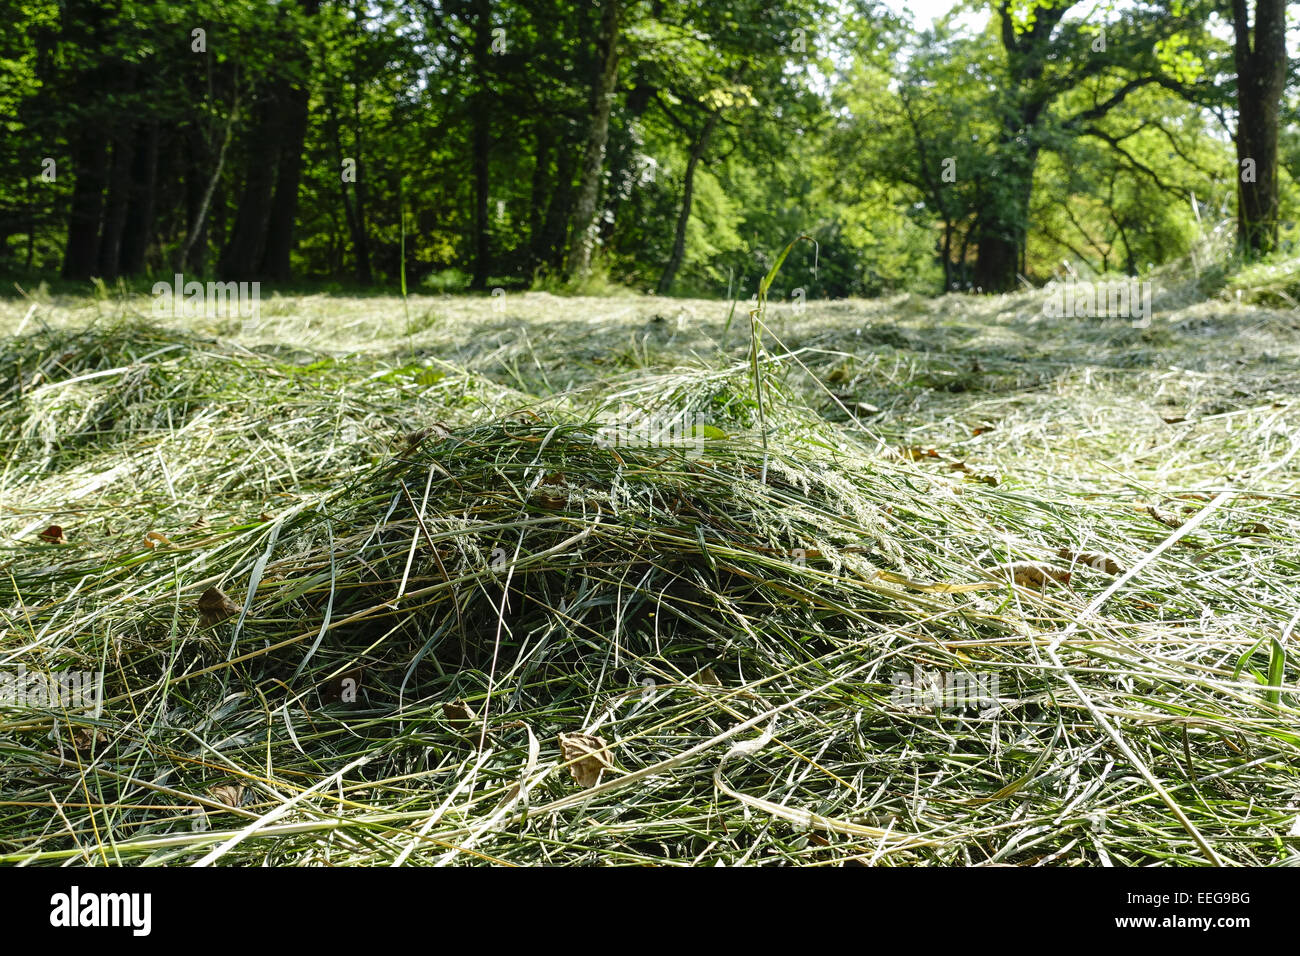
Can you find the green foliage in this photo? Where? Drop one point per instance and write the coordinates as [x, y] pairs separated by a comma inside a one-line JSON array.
[[1079, 134]]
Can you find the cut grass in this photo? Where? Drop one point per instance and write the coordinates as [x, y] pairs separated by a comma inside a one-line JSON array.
[[435, 518]]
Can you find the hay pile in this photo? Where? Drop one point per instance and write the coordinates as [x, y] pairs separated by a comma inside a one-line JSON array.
[[461, 625]]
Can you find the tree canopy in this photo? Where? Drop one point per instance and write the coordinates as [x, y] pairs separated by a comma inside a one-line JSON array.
[[664, 145]]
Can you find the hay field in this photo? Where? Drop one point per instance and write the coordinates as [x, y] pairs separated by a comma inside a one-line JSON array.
[[912, 582]]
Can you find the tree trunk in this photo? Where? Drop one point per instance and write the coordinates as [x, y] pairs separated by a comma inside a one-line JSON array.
[[360, 187], [242, 255], [90, 169], [196, 231], [585, 224], [481, 141], [1261, 75], [355, 230], [81, 24], [118, 203], [263, 234], [140, 213], [284, 205], [622, 179], [684, 216], [539, 193], [555, 228], [1003, 225]]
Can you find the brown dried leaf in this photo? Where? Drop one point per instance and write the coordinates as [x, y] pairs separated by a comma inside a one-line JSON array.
[[916, 452], [85, 738], [231, 794], [413, 440], [215, 606], [1094, 559], [587, 756], [344, 688], [709, 678], [1037, 575], [1168, 520], [552, 491], [53, 535], [459, 714], [156, 539]]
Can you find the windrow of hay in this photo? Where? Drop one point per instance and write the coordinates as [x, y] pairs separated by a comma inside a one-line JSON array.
[[463, 624]]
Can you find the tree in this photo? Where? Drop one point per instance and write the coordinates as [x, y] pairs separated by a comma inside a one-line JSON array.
[[585, 223], [1260, 53]]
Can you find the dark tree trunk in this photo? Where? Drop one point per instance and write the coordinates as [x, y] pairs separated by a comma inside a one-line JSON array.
[[361, 186], [140, 212], [262, 237], [1261, 76], [31, 225], [356, 225], [684, 215], [481, 141], [585, 225], [90, 172], [243, 252], [539, 192], [284, 204], [947, 256], [1003, 224], [621, 177], [118, 203], [555, 229], [81, 25]]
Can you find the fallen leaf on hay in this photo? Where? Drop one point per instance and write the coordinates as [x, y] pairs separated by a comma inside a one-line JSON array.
[[215, 606], [156, 539], [85, 738], [413, 440], [965, 469], [1168, 520], [1094, 559], [343, 688], [587, 756], [916, 452], [982, 429], [709, 678], [459, 714], [1037, 575], [551, 491], [1255, 528], [265, 517], [231, 794], [53, 535]]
